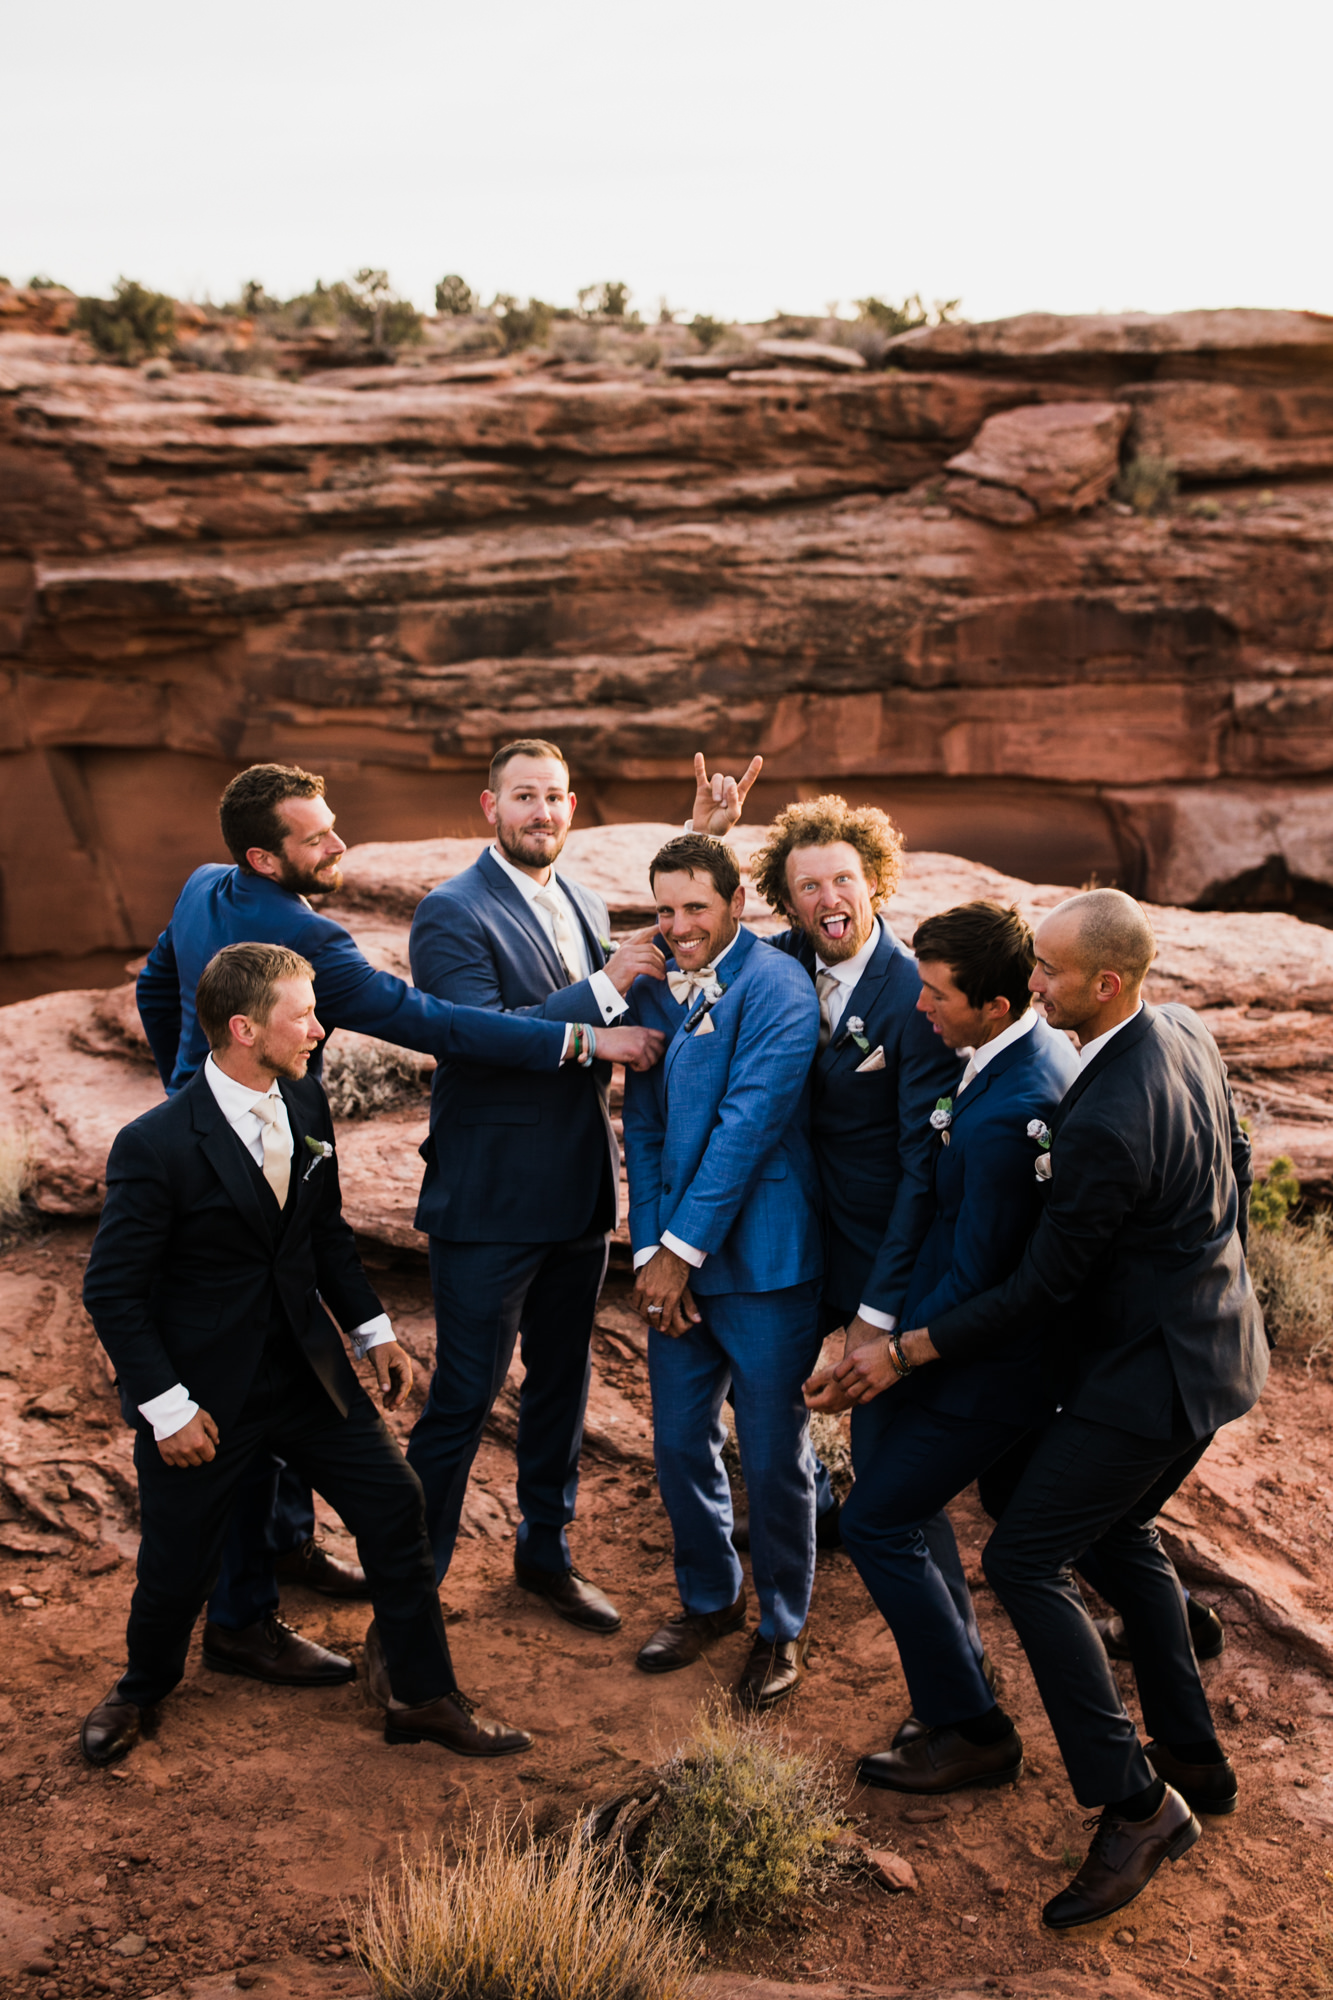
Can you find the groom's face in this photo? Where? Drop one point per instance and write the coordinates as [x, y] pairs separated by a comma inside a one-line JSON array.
[[695, 919], [828, 895]]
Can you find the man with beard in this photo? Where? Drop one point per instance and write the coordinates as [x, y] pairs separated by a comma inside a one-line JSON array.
[[279, 829], [522, 1173]]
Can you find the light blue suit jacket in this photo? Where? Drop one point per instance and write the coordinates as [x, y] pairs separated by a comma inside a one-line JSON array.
[[717, 1137]]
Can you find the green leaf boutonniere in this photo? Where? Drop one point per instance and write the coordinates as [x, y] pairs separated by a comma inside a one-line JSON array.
[[321, 1149], [856, 1029]]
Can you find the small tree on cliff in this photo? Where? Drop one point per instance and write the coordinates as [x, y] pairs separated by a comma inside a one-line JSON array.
[[454, 295], [130, 327]]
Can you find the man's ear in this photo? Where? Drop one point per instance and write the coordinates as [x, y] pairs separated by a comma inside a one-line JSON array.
[[242, 1030], [261, 862], [490, 806], [738, 903]]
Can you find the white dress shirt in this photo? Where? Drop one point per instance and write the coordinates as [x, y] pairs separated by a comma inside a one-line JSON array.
[[847, 972], [612, 1004], [172, 1410], [1094, 1048], [668, 1241]]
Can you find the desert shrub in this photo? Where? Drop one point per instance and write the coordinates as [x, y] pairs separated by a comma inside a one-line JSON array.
[[1274, 1195], [1292, 1270], [380, 315], [454, 295], [39, 282], [508, 1921], [1147, 483], [744, 1820], [522, 326], [129, 327], [363, 1076], [576, 340], [707, 330], [912, 312], [15, 1176]]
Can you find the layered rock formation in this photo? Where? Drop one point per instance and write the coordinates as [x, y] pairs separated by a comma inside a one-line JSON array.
[[910, 585]]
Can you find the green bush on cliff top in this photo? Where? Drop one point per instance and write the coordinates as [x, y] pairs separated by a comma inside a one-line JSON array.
[[129, 328]]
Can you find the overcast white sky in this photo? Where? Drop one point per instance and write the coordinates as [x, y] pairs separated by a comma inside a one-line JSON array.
[[736, 157]]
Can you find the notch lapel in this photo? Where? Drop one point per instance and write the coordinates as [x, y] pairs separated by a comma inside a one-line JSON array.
[[728, 972], [861, 999], [519, 907], [1119, 1045], [575, 895], [226, 1155]]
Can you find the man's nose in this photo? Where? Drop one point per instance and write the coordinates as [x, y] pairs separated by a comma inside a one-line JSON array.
[[334, 843], [315, 1031]]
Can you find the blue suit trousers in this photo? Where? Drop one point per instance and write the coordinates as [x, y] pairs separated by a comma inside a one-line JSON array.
[[762, 1345]]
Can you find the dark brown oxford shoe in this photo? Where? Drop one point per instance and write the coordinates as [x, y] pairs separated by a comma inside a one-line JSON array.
[[112, 1729], [944, 1761], [313, 1566], [775, 1667], [1208, 1635], [570, 1595], [272, 1651], [453, 1722], [912, 1726], [683, 1638], [1124, 1856], [1205, 1788]]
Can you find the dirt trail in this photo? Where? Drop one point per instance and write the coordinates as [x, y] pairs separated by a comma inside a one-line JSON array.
[[223, 1853]]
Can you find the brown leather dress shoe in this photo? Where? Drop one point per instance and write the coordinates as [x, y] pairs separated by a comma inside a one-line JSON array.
[[683, 1638], [570, 1595], [1205, 1788], [453, 1722], [314, 1567], [944, 1761], [112, 1729], [912, 1726], [774, 1668], [1124, 1857], [271, 1651]]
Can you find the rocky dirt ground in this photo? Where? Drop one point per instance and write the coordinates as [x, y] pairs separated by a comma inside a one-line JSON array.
[[225, 1852]]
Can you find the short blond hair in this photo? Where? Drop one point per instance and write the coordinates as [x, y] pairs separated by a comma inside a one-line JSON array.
[[819, 823]]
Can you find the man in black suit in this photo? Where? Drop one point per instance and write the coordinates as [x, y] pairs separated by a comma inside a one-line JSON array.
[[222, 1253], [1138, 1266]]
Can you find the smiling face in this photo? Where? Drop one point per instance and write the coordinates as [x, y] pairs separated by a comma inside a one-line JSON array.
[[308, 862], [951, 1014], [830, 898], [530, 810], [695, 919]]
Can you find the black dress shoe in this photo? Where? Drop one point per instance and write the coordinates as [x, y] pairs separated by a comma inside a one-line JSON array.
[[912, 1726], [1208, 1635], [828, 1529], [271, 1651], [1205, 1788], [680, 1641], [774, 1668], [314, 1567], [570, 1595], [944, 1761], [453, 1722], [112, 1729], [1124, 1857]]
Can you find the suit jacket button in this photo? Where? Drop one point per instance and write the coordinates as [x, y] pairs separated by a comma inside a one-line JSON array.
[[666, 1187]]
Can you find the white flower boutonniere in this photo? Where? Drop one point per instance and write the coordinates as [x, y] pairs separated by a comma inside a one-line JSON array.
[[1042, 1134], [321, 1150], [856, 1029], [942, 1116]]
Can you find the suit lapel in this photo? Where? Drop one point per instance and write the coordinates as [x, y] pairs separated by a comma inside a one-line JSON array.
[[728, 972], [1119, 1045], [519, 907], [883, 961], [576, 896], [225, 1153]]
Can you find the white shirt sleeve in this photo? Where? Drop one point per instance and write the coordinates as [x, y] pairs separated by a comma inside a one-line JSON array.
[[887, 1322], [372, 1333], [641, 1257], [170, 1412], [685, 1250], [612, 1004]]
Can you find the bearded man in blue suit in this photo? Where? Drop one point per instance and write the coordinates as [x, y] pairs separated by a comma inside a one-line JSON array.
[[724, 1223]]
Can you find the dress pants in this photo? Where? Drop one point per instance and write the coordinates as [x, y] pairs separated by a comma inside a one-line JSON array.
[[274, 1513], [487, 1295], [352, 1461], [911, 1460], [761, 1345], [1090, 1487]]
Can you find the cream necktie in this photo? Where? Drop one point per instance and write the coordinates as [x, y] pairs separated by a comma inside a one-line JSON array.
[[565, 941], [968, 1074], [827, 984], [277, 1141]]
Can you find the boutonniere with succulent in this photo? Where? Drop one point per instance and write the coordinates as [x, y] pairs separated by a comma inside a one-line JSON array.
[[605, 943], [321, 1151], [856, 1032], [1042, 1134], [942, 1117]]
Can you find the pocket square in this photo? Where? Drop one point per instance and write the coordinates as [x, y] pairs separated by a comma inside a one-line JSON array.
[[705, 1026], [875, 1060]]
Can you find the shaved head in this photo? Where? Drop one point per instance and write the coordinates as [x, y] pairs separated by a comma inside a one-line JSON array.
[[1110, 933]]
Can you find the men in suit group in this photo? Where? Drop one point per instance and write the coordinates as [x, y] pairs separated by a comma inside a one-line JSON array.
[[221, 1254], [724, 1226]]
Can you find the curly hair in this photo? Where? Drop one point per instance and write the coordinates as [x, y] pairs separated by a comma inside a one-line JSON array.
[[819, 823]]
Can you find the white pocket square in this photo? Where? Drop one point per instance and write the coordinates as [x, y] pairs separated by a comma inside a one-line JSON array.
[[705, 1026], [875, 1060]]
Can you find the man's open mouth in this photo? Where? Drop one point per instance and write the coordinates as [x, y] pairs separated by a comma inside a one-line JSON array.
[[835, 928]]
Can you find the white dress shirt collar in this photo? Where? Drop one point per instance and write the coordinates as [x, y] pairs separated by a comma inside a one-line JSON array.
[[529, 886], [1094, 1048], [848, 970], [1015, 1032], [234, 1098]]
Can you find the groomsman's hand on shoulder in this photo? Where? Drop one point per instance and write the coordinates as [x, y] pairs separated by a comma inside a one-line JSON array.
[[717, 800], [393, 1372], [194, 1444]]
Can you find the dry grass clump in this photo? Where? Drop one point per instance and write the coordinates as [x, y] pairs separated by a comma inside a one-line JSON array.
[[15, 1176], [744, 1820], [547, 1921], [1292, 1270], [363, 1076]]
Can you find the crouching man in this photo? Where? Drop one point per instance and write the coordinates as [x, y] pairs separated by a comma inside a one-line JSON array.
[[725, 1228], [222, 1252]]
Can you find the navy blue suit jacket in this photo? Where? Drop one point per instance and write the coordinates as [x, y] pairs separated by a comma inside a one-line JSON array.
[[987, 1201], [717, 1137], [872, 1134], [512, 1159], [221, 905]]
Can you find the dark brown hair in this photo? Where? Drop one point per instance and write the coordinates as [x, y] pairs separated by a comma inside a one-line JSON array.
[[987, 948], [249, 807], [819, 823], [242, 979], [699, 854], [524, 746]]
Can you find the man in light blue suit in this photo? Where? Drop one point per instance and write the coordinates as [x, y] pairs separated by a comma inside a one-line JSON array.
[[918, 1446], [724, 1221]]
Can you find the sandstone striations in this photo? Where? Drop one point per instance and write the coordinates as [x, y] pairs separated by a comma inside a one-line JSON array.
[[908, 584]]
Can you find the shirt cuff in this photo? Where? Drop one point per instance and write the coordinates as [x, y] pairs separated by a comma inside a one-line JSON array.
[[612, 1004], [641, 1257], [685, 1250], [886, 1322], [372, 1333], [564, 1046], [170, 1412]]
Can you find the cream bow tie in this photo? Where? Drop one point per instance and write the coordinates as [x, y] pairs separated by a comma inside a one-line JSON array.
[[685, 986]]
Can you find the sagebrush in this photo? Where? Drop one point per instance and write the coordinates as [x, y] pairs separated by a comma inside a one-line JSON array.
[[1292, 1271]]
